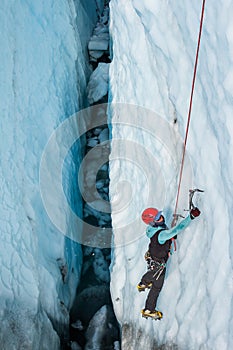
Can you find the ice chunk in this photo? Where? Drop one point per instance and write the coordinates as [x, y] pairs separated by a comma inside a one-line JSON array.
[[98, 83], [78, 325], [95, 54], [104, 135], [116, 345], [97, 131], [102, 330], [98, 44], [100, 184], [96, 330], [92, 142]]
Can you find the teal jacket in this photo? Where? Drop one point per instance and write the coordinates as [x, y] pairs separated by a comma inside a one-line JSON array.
[[168, 233]]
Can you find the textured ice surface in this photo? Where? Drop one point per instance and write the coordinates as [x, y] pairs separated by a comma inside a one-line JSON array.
[[154, 45], [43, 74]]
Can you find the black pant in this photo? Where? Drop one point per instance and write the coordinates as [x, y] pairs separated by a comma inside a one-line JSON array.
[[155, 289]]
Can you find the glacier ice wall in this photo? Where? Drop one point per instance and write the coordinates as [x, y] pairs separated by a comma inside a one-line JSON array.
[[154, 46], [43, 75]]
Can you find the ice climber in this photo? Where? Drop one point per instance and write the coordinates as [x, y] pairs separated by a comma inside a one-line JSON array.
[[158, 254]]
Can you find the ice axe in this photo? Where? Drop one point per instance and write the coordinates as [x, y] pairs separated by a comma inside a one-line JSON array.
[[191, 206], [191, 194]]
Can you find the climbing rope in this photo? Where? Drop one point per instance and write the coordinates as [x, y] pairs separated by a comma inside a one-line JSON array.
[[189, 114]]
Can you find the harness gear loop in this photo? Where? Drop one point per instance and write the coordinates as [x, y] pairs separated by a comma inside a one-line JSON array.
[[158, 267]]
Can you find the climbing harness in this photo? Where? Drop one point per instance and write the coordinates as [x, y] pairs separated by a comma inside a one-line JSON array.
[[156, 266], [153, 265], [189, 113]]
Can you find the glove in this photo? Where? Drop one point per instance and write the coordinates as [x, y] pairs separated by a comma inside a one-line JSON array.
[[195, 212]]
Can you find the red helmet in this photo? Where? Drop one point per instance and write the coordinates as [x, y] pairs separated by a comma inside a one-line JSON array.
[[150, 215]]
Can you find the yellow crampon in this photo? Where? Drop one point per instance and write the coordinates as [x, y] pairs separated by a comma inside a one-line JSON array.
[[156, 315], [142, 287]]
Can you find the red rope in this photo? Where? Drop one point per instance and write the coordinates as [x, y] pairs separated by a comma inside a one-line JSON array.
[[190, 110]]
